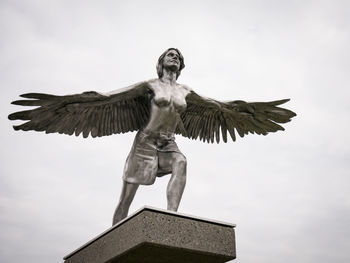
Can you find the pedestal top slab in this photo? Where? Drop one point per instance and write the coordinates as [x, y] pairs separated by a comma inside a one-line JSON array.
[[156, 235]]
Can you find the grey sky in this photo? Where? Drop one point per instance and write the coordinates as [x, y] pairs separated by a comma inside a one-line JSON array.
[[287, 192]]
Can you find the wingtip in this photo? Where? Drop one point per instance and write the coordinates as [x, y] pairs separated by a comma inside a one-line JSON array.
[[27, 95], [12, 117], [19, 102], [279, 102], [16, 127], [37, 96]]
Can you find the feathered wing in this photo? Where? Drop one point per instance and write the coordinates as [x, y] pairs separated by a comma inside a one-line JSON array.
[[87, 113], [206, 118]]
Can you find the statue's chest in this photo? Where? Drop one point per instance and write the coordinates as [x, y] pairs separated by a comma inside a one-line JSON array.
[[172, 97]]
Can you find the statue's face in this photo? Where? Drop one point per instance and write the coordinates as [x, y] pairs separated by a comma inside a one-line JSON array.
[[172, 60]]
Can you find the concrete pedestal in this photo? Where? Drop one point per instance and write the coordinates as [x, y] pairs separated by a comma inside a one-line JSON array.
[[152, 235]]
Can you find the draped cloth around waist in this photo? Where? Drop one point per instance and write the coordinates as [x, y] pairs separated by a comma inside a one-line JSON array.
[[142, 166]]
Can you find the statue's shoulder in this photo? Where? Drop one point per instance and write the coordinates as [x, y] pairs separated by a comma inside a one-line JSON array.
[[152, 82], [185, 88]]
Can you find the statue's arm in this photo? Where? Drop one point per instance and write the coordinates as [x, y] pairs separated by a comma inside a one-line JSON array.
[[222, 106], [132, 90], [208, 102]]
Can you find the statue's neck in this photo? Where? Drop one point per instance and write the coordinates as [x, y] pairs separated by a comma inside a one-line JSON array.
[[169, 76]]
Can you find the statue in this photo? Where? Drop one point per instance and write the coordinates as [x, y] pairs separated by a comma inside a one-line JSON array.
[[157, 109]]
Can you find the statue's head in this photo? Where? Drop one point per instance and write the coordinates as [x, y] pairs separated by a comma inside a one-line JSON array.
[[161, 59]]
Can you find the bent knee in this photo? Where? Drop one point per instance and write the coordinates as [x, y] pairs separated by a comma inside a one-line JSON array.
[[180, 159]]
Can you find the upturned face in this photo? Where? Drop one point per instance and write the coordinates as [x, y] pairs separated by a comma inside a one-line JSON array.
[[172, 60]]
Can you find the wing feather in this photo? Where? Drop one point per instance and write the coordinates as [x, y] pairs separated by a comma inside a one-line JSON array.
[[208, 128], [100, 127], [106, 127], [133, 115], [80, 123], [125, 121], [223, 128], [117, 118], [202, 127], [217, 129], [194, 125], [199, 127], [211, 128]]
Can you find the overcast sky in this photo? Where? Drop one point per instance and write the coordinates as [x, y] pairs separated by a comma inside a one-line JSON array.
[[287, 192]]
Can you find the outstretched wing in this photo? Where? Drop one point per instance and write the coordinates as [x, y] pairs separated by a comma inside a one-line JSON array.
[[87, 113], [206, 118]]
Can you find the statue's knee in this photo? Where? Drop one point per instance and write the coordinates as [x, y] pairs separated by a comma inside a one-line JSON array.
[[180, 160]]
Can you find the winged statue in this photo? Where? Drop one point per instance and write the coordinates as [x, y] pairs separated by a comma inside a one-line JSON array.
[[157, 109]]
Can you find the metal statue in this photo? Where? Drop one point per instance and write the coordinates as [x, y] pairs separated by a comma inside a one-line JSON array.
[[157, 109]]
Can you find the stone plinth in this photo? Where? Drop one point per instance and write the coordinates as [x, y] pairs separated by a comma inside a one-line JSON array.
[[152, 235]]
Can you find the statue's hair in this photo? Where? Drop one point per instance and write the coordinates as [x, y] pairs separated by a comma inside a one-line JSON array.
[[160, 62]]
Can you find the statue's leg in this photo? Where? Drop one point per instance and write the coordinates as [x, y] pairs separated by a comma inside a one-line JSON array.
[[126, 197], [177, 181]]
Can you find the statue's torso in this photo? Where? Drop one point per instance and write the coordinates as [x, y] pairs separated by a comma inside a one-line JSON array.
[[167, 103]]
